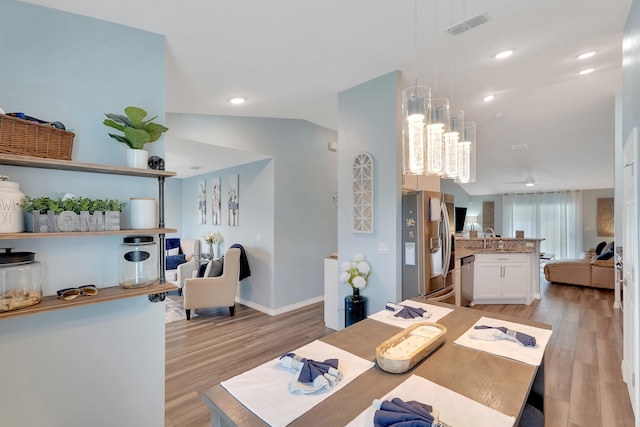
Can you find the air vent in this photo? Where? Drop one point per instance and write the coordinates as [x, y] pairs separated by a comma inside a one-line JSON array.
[[519, 147], [467, 25]]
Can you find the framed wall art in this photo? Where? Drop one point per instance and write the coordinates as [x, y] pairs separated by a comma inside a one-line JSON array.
[[605, 217], [363, 193], [202, 202], [233, 197], [216, 201]]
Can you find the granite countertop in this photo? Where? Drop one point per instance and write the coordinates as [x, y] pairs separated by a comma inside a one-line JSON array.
[[517, 239]]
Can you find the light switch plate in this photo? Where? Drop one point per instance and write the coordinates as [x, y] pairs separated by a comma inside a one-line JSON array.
[[383, 248]]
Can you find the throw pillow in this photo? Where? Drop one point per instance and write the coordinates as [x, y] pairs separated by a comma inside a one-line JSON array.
[[172, 252], [202, 269], [216, 267], [173, 261], [608, 247], [208, 269], [600, 246], [605, 256]]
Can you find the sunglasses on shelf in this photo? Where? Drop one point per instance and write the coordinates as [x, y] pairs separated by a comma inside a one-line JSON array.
[[72, 293]]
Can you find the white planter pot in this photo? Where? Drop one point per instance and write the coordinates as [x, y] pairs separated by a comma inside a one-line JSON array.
[[137, 158], [143, 213]]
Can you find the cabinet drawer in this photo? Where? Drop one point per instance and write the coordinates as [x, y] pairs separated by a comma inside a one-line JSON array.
[[502, 258]]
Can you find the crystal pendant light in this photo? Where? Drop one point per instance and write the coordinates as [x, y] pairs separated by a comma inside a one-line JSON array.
[[451, 140], [467, 155], [415, 102], [438, 126]]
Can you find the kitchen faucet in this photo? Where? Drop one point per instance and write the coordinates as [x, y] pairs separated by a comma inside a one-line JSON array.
[[484, 237]]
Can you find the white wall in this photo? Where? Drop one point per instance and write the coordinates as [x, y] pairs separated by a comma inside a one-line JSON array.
[[256, 216], [103, 364], [370, 121], [287, 200]]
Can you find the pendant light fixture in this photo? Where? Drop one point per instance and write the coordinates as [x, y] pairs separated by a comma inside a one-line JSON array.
[[415, 102], [439, 115], [451, 141], [438, 126], [415, 108], [467, 144], [467, 154], [456, 122]]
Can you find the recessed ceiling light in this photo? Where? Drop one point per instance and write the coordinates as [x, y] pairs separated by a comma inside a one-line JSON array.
[[504, 54], [237, 100], [488, 98], [587, 55], [587, 71]]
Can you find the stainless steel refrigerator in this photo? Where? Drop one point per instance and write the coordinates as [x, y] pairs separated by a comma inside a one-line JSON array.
[[428, 244]]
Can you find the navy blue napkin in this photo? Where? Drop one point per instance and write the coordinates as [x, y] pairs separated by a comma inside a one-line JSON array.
[[398, 413], [312, 368], [408, 312], [524, 339]]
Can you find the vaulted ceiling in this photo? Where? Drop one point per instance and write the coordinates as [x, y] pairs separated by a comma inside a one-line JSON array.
[[291, 58]]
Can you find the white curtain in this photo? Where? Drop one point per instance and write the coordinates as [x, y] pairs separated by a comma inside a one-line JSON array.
[[555, 217]]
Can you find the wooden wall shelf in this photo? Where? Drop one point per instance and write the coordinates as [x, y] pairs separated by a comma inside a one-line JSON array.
[[67, 165], [27, 235], [52, 302]]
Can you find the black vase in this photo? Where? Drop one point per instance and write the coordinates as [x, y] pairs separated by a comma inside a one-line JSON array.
[[355, 308]]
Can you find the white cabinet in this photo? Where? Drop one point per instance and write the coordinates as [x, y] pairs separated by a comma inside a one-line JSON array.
[[331, 299], [502, 279]]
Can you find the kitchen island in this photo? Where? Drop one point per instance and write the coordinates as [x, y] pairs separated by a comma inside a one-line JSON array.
[[506, 270], [496, 382]]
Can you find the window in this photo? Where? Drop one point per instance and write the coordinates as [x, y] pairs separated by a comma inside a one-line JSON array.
[[555, 217]]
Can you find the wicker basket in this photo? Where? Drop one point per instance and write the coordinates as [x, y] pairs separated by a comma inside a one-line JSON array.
[[400, 364], [28, 138]]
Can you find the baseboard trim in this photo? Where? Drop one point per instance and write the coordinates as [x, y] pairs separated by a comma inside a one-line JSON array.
[[281, 310]]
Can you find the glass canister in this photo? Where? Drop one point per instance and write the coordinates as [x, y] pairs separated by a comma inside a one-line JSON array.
[[138, 265], [20, 280]]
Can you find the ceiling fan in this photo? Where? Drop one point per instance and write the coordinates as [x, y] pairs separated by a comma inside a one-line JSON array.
[[530, 181]]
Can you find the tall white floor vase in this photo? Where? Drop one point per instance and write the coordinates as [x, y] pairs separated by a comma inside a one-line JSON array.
[[137, 158]]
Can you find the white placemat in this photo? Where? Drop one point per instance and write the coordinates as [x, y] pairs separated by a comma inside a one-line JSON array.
[[387, 316], [506, 348], [455, 409], [264, 389]]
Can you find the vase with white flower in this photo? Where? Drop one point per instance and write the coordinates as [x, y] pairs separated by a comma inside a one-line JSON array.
[[356, 274], [213, 239]]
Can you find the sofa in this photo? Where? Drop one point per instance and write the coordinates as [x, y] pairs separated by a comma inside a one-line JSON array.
[[181, 255], [596, 269]]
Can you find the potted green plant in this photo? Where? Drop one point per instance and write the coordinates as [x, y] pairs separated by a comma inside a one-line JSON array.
[[36, 210], [137, 132]]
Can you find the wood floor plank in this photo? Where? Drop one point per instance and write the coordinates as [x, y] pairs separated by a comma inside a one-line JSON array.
[[584, 408]]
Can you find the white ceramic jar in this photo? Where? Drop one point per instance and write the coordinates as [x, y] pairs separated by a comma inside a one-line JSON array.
[[11, 218]]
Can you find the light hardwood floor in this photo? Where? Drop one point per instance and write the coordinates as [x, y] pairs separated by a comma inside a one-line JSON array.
[[583, 383]]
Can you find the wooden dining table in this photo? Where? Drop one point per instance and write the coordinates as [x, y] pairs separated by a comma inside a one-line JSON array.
[[494, 381]]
